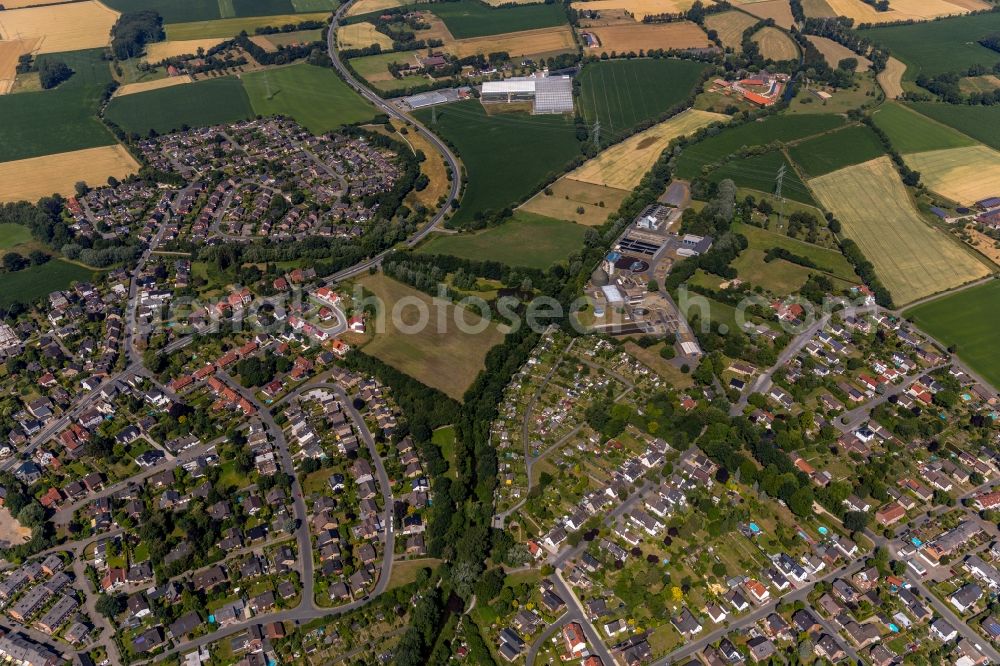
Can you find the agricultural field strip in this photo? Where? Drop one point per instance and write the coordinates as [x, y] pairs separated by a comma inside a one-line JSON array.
[[963, 175]]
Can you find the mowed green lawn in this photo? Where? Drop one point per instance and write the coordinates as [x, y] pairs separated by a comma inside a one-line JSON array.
[[12, 235], [970, 320], [506, 156], [935, 47], [314, 96], [526, 240], [471, 18], [446, 358], [61, 119], [198, 104], [828, 261], [37, 282], [836, 150], [980, 122], [912, 132], [621, 94]]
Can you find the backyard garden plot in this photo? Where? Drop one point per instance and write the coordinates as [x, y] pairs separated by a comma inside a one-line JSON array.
[[775, 44], [969, 320], [315, 97], [65, 27], [507, 157], [639, 9], [964, 175], [904, 10], [730, 27], [198, 104], [980, 122], [448, 360], [577, 201], [912, 258], [948, 45], [362, 35], [623, 165], [624, 93], [36, 177], [528, 240], [912, 132], [632, 38], [61, 119], [836, 150]]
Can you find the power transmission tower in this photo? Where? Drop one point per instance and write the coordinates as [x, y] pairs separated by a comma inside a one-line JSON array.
[[779, 181]]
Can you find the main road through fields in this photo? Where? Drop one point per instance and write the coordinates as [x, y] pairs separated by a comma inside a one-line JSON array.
[[392, 112]]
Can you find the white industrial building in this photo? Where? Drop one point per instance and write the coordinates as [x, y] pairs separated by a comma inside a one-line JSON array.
[[549, 94]]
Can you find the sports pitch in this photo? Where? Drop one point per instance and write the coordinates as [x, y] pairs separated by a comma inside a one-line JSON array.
[[912, 258], [969, 320]]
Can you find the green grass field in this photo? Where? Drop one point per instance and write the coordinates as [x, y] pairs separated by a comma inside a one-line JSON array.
[[773, 129], [980, 122], [526, 240], [172, 11], [196, 104], [470, 18], [759, 172], [37, 282], [61, 119], [506, 156], [911, 132], [448, 358], [12, 235], [230, 27], [968, 319], [828, 261], [444, 438], [935, 47], [314, 96], [621, 94], [836, 150]]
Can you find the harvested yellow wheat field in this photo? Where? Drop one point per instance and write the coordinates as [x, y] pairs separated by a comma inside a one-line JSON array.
[[20, 4], [912, 258], [730, 27], [568, 197], [37, 177], [779, 10], [365, 6], [817, 9], [833, 52], [145, 86], [775, 45], [639, 9], [904, 10], [177, 47], [964, 175], [68, 27], [623, 165], [544, 41], [9, 53], [891, 78], [361, 36], [649, 36]]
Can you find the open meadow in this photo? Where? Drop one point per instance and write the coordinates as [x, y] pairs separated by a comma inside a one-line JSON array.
[[775, 44], [37, 282], [230, 27], [836, 150], [448, 360], [35, 177], [937, 47], [969, 320], [912, 258], [622, 94], [507, 156], [57, 120], [197, 104], [568, 197], [64, 27], [980, 122], [912, 132], [528, 240], [633, 38], [730, 27], [964, 175], [314, 96], [623, 165]]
